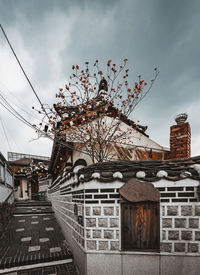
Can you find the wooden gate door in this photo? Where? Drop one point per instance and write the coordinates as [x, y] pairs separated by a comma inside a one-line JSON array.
[[140, 226]]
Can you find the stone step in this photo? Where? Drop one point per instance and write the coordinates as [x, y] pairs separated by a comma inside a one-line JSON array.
[[33, 210], [27, 259], [32, 203], [32, 239], [65, 267]]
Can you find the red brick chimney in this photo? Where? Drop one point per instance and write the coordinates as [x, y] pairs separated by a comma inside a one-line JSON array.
[[180, 138]]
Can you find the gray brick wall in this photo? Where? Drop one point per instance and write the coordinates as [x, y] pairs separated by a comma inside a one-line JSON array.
[[102, 227], [180, 228]]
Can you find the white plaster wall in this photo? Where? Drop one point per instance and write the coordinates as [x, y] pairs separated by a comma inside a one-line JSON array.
[[29, 191], [4, 192], [43, 187], [18, 193], [11, 199], [181, 183], [79, 155], [161, 183], [24, 189], [94, 184], [135, 138], [9, 178]]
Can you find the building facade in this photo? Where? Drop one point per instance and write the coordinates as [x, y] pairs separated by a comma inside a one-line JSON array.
[[114, 226], [27, 172], [6, 181], [138, 216]]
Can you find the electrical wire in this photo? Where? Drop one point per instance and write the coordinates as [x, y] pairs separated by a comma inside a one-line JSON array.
[[16, 105], [22, 69], [11, 110], [4, 131], [18, 116], [44, 134]]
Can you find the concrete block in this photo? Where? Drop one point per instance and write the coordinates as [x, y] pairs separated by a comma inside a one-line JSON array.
[[179, 265], [140, 265], [105, 264]]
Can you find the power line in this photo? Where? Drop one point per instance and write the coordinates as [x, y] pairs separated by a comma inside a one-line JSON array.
[[14, 114], [23, 69], [5, 133], [23, 120], [11, 110], [18, 106]]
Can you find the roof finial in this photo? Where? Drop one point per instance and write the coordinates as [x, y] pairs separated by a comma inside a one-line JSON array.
[[103, 85]]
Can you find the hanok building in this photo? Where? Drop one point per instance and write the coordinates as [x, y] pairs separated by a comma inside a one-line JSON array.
[[131, 217], [70, 148], [134, 215], [28, 169]]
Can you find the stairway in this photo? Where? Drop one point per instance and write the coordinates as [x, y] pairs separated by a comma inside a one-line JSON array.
[[32, 240]]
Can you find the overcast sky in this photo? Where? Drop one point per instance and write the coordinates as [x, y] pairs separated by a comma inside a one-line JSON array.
[[49, 36]]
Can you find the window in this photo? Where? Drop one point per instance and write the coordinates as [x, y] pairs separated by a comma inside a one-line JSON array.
[[140, 225]]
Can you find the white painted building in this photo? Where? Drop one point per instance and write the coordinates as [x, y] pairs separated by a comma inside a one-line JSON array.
[[6, 181]]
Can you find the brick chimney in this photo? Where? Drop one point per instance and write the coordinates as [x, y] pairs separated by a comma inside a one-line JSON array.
[[180, 138]]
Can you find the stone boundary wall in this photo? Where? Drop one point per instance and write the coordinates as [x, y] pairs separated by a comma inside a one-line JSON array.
[[97, 224], [102, 225], [64, 208], [180, 228], [6, 212]]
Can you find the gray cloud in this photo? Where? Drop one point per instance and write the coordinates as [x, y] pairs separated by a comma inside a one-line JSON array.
[[50, 36]]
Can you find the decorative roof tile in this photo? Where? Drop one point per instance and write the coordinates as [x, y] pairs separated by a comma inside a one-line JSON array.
[[155, 170]]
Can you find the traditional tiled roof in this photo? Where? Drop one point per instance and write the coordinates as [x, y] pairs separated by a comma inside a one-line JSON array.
[[149, 171], [21, 162], [91, 110], [29, 166]]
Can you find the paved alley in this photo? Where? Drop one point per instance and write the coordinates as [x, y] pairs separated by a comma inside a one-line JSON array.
[[33, 243]]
